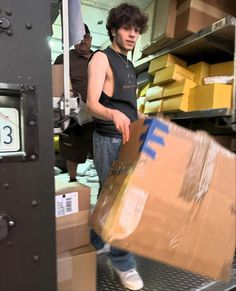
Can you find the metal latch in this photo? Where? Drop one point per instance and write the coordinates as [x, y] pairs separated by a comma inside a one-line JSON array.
[[6, 222]]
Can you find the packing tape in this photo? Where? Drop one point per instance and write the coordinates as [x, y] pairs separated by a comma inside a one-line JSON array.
[[201, 167], [64, 267]]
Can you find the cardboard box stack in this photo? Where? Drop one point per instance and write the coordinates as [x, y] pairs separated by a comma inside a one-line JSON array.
[[170, 196], [76, 259], [214, 95], [177, 86], [172, 84]]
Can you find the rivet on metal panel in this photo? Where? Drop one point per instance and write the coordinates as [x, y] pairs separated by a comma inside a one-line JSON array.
[[11, 223], [32, 122], [34, 203], [9, 243], [36, 258], [6, 185], [28, 25], [9, 32], [32, 157]]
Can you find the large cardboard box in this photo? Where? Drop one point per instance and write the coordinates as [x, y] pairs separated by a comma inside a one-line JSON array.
[[76, 270], [211, 96], [167, 198], [72, 204], [194, 15]]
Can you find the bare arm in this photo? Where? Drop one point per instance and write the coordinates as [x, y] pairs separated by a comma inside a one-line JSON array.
[[97, 76]]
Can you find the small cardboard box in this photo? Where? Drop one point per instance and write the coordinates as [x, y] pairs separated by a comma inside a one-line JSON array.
[[76, 270], [176, 103], [201, 70], [164, 62], [179, 87], [167, 198], [72, 203], [171, 74], [222, 69], [154, 93], [210, 96], [152, 107]]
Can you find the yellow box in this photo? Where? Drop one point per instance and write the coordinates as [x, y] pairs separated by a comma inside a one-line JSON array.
[[201, 71], [143, 90], [179, 87], [154, 93], [176, 103], [172, 73], [210, 96], [163, 62], [222, 69], [140, 103], [152, 107]]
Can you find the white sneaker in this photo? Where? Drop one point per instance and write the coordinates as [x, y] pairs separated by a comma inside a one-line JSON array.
[[130, 279], [105, 249]]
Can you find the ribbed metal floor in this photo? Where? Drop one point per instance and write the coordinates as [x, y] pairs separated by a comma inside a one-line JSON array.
[[159, 277]]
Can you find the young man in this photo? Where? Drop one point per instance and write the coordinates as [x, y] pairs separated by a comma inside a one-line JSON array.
[[112, 102], [76, 142]]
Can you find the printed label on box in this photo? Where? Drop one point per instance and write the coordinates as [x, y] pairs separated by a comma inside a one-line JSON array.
[[66, 204]]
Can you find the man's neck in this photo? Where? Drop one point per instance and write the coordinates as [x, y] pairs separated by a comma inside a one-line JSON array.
[[116, 48], [88, 55]]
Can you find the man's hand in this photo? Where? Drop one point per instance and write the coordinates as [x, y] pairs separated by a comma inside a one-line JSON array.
[[122, 124]]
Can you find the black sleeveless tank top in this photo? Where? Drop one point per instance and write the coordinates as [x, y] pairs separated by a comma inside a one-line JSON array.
[[124, 95]]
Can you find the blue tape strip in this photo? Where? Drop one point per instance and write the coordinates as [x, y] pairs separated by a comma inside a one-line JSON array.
[[149, 135]]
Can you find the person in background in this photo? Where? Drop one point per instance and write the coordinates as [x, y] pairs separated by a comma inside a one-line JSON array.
[[112, 102], [76, 142]]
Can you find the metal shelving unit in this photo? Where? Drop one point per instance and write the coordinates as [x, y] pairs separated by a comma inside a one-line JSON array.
[[213, 44]]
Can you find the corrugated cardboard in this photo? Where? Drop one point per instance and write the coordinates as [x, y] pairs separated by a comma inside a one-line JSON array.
[[167, 198], [222, 69], [58, 80], [210, 96], [194, 15], [164, 62], [201, 70], [72, 230], [76, 270], [179, 87], [171, 74]]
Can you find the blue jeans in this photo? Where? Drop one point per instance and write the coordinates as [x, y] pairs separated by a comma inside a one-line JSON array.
[[106, 150]]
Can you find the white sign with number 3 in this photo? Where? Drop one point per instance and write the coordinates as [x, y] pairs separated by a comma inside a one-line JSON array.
[[9, 130]]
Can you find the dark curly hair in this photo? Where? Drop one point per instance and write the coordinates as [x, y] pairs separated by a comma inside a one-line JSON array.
[[125, 14]]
